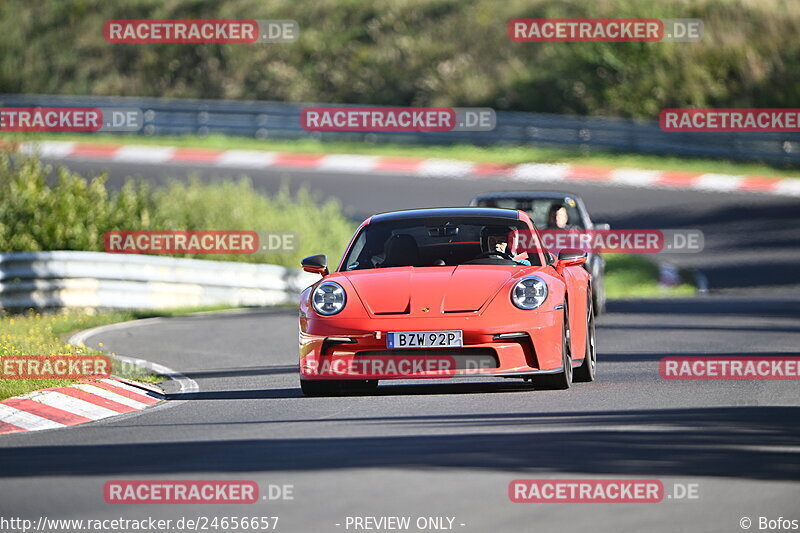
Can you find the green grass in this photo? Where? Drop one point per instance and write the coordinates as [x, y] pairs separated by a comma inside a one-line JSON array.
[[45, 334], [510, 155], [633, 276]]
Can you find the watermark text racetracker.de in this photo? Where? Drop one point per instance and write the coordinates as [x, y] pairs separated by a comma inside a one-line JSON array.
[[208, 491], [605, 30], [199, 242], [431, 119], [166, 492], [82, 119], [600, 491], [199, 31], [407, 366], [730, 120], [632, 241], [709, 368]]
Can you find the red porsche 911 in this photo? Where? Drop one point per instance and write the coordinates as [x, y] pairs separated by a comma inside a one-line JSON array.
[[444, 293]]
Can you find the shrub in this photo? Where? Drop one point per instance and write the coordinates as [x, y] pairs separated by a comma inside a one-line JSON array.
[[320, 226], [74, 212]]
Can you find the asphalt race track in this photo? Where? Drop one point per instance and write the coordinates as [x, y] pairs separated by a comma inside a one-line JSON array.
[[450, 449]]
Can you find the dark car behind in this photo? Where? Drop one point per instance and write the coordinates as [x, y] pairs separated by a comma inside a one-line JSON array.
[[539, 205]]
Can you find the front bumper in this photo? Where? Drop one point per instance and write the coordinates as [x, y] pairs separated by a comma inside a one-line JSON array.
[[528, 344]]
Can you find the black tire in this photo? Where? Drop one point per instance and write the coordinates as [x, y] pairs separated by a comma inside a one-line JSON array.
[[598, 296], [562, 380], [587, 372]]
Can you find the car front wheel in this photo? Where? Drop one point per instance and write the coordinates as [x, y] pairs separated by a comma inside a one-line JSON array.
[[599, 294], [563, 379]]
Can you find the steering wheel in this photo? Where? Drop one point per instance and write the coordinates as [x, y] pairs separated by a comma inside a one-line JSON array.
[[495, 253]]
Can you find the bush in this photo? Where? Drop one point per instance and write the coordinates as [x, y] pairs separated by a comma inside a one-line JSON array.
[[72, 214], [75, 212], [320, 227]]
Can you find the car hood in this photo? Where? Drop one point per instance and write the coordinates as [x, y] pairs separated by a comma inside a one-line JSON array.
[[427, 291]]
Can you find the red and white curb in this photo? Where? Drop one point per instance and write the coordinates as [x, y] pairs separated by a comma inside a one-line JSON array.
[[82, 402], [88, 401], [412, 166]]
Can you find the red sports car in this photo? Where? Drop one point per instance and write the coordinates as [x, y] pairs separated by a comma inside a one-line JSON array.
[[443, 293]]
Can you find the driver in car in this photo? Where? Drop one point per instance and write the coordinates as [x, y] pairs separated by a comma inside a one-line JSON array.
[[498, 243]]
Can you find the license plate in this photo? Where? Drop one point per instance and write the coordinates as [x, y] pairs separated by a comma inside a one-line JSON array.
[[424, 339]]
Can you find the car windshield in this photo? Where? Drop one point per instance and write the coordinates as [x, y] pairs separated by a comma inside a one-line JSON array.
[[437, 242], [546, 213]]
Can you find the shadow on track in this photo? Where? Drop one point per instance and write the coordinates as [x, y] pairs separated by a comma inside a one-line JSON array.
[[724, 306], [243, 371], [628, 357], [438, 388], [736, 442]]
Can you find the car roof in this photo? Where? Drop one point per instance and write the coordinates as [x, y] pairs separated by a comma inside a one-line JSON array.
[[528, 195], [492, 212]]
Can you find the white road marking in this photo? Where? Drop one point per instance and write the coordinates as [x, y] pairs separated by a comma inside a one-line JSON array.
[[246, 159], [108, 395], [540, 172], [634, 177], [717, 182], [186, 384], [144, 154], [70, 404], [56, 149], [444, 168], [788, 187], [348, 163], [129, 388], [26, 420]]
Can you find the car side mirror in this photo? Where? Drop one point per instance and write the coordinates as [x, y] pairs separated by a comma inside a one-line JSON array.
[[316, 264], [571, 257], [602, 227]]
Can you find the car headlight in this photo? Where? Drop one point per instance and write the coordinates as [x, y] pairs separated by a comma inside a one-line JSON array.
[[529, 293], [328, 298]]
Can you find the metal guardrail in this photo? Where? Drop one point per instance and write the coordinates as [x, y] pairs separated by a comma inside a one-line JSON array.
[[165, 116], [64, 279]]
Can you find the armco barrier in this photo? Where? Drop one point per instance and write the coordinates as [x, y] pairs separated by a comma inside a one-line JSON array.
[[261, 119], [65, 279]]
